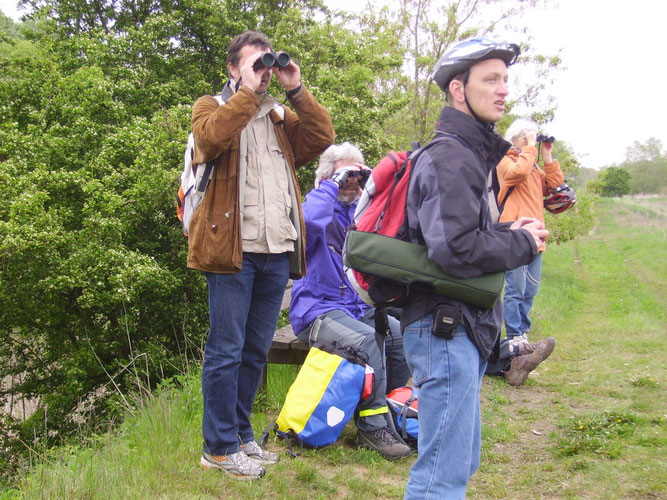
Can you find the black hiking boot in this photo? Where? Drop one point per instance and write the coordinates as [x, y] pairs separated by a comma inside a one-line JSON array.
[[384, 442]]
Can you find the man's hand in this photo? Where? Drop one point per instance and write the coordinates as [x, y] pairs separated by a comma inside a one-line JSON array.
[[249, 77], [522, 221], [534, 227], [289, 76], [363, 177], [341, 175]]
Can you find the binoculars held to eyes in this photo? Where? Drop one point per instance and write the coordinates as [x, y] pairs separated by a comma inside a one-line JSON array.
[[363, 173], [545, 138], [270, 59]]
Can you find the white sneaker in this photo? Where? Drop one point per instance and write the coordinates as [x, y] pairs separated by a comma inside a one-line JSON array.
[[257, 454], [236, 464]]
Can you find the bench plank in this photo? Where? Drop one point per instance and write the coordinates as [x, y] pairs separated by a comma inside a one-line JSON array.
[[286, 349]]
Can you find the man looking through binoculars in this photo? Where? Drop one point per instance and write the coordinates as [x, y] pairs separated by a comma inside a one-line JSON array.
[[256, 66], [248, 236]]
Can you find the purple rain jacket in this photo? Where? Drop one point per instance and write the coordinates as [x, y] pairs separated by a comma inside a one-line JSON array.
[[325, 287]]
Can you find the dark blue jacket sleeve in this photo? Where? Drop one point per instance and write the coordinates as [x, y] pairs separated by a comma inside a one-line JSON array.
[[451, 213]]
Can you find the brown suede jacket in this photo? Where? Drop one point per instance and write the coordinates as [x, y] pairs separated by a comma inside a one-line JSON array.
[[214, 242]]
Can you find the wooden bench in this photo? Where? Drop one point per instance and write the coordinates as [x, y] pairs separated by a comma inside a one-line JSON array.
[[286, 349]]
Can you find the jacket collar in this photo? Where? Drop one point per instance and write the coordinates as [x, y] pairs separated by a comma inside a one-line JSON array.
[[487, 145], [266, 102], [228, 90]]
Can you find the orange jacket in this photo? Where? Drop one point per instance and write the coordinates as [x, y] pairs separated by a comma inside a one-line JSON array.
[[521, 170]]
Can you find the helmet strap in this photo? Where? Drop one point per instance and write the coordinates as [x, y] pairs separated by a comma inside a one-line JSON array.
[[488, 126]]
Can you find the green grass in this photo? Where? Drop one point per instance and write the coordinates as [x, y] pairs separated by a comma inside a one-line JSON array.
[[588, 424]]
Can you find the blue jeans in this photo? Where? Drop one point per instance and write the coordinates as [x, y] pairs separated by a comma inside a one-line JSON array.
[[449, 375], [243, 311], [337, 326], [521, 286]]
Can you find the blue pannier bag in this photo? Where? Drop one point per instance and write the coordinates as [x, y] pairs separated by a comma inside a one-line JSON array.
[[324, 395]]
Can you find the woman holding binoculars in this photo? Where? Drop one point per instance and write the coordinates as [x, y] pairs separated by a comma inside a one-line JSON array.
[[523, 187]]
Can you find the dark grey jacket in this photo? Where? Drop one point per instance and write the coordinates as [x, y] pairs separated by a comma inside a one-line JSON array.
[[448, 211]]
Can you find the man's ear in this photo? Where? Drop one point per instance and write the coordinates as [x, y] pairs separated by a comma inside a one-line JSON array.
[[456, 90], [232, 71]]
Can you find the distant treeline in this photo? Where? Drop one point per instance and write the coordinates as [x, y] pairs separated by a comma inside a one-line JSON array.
[[644, 171]]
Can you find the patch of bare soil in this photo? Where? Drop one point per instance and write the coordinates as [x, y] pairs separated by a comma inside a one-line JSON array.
[[531, 442]]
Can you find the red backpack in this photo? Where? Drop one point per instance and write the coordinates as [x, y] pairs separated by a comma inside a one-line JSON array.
[[382, 209]]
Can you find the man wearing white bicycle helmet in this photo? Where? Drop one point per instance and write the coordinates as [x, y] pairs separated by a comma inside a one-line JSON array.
[[447, 342]]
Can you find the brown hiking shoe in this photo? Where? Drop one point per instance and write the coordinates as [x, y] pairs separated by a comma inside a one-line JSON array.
[[384, 442], [522, 365], [527, 347]]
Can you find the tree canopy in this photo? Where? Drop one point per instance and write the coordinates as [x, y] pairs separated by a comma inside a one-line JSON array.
[[615, 181]]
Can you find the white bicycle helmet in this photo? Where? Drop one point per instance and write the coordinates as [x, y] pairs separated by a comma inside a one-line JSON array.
[[561, 199], [463, 55]]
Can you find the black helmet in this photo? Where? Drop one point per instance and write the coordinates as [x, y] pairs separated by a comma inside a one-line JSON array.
[[463, 55], [561, 199]]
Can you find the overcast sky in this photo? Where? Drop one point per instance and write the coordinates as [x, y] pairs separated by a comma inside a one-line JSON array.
[[613, 91], [614, 88]]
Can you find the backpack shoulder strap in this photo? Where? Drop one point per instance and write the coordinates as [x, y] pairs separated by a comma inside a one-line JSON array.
[[277, 114], [507, 195], [202, 182], [442, 136], [412, 158], [221, 100], [280, 109]]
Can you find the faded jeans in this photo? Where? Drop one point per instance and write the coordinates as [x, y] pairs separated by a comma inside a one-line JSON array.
[[243, 311], [521, 285], [449, 375]]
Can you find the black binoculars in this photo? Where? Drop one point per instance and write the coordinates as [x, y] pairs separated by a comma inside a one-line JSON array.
[[269, 59], [545, 138], [363, 173]]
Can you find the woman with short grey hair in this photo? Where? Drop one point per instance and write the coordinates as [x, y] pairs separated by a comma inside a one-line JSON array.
[[518, 130]]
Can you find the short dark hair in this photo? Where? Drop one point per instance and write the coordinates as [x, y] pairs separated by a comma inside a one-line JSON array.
[[246, 38]]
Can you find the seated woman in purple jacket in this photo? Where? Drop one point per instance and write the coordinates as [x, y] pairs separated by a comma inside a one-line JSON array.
[[325, 306]]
